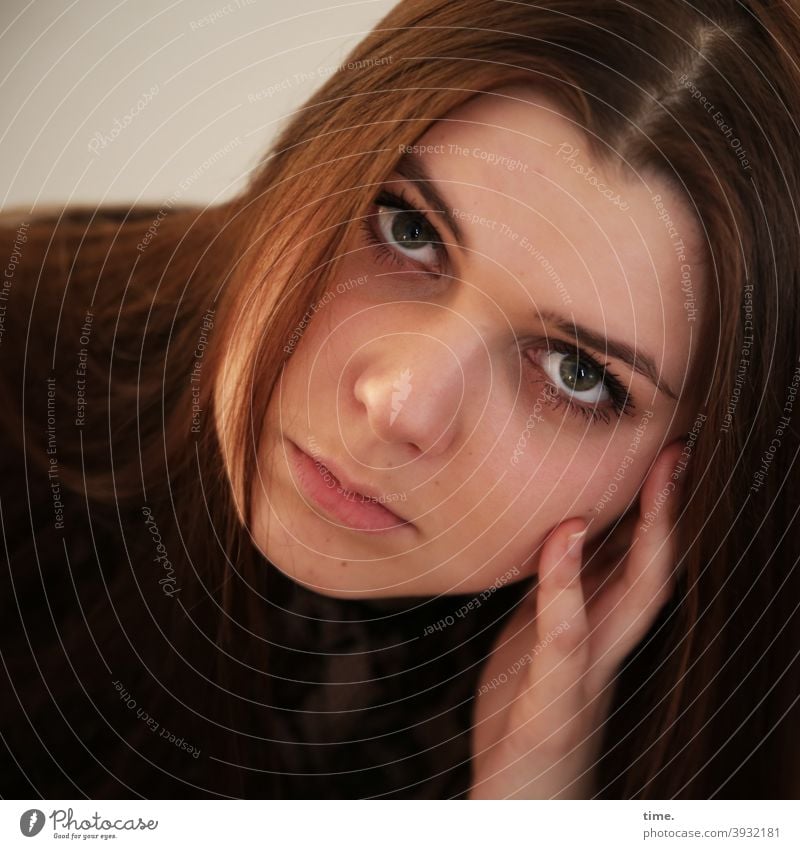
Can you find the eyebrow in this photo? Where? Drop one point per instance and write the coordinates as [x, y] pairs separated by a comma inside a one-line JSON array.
[[640, 361], [412, 168]]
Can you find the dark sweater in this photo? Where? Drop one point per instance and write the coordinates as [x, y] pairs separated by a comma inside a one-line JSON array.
[[345, 699]]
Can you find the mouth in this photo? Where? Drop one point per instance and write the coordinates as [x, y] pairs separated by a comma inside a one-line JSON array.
[[340, 499]]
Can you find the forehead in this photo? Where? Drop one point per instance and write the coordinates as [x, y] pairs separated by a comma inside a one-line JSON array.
[[529, 196]]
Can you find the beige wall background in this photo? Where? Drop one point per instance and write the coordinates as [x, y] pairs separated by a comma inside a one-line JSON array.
[[145, 100]]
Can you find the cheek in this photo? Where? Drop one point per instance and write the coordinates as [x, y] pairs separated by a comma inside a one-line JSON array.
[[321, 347], [588, 482]]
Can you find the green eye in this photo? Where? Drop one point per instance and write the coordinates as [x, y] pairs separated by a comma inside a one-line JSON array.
[[574, 377], [400, 231], [585, 386], [406, 229], [578, 375]]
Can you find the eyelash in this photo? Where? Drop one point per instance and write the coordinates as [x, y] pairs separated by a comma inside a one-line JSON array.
[[400, 203], [621, 402]]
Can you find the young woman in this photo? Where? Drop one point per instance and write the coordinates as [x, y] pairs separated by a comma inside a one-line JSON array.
[[454, 458]]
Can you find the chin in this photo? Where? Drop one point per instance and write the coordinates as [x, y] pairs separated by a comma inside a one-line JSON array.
[[353, 582], [336, 579]]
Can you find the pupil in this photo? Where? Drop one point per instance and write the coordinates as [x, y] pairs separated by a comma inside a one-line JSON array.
[[577, 375], [409, 230]]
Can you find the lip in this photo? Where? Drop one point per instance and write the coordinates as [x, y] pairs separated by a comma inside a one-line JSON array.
[[339, 497]]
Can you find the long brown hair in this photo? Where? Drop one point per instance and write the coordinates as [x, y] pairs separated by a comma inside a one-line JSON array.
[[706, 94]]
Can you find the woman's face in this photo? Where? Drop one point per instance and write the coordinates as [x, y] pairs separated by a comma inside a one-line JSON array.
[[442, 371]]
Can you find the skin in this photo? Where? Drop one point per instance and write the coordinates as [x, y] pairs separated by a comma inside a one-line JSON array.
[[546, 689], [474, 344], [500, 473]]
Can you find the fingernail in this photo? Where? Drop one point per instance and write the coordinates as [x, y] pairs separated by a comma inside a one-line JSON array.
[[575, 543]]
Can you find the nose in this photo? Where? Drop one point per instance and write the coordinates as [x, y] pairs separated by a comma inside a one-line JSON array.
[[414, 385]]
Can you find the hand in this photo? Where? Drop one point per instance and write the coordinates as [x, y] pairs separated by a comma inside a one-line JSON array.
[[546, 689]]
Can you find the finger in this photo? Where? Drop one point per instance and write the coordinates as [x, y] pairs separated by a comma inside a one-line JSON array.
[[652, 560], [647, 579], [551, 695], [605, 554]]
